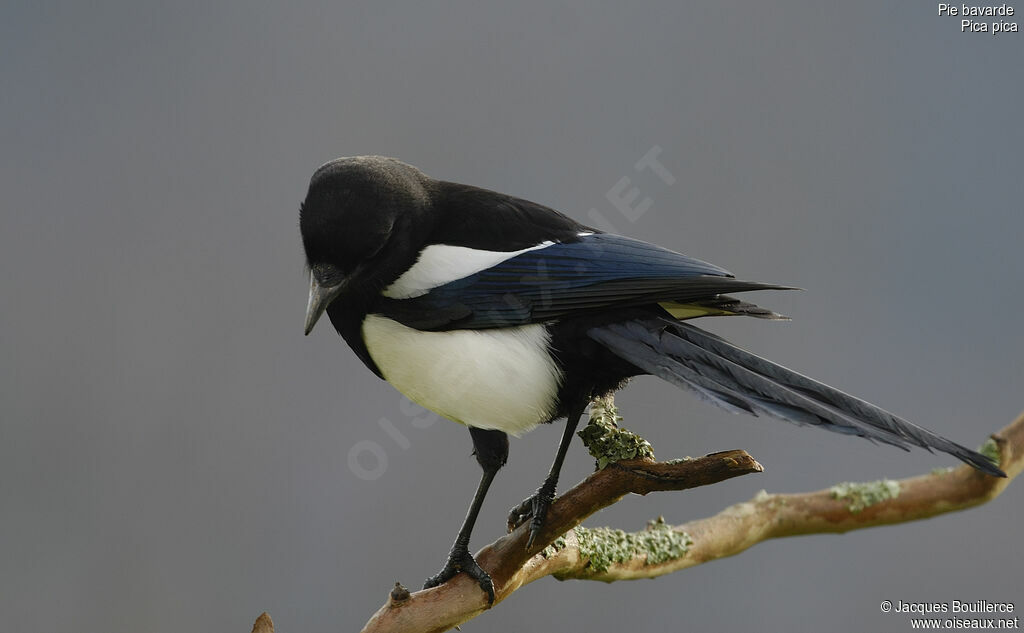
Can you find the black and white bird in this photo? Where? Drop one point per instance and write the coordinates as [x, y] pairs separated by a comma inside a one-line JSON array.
[[502, 314]]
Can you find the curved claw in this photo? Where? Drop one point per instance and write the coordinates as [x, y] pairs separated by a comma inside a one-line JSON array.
[[520, 514], [535, 507], [541, 502], [463, 561]]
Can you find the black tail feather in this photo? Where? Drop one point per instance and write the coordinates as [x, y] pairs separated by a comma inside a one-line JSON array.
[[725, 375]]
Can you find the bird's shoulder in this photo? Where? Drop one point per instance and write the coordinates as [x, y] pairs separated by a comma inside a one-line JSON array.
[[482, 219]]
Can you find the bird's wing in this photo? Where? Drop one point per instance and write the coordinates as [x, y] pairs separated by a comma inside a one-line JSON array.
[[549, 281]]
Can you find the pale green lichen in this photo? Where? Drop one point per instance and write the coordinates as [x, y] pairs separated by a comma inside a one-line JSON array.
[[938, 472], [680, 460], [659, 543], [606, 440], [556, 546], [990, 449], [864, 495]]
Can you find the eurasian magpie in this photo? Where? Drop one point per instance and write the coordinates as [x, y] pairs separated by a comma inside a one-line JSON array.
[[502, 314]]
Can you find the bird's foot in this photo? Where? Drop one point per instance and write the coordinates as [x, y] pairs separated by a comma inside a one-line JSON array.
[[459, 559], [535, 507]]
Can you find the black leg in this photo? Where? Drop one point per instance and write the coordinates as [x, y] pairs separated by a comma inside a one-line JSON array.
[[537, 505], [491, 450]]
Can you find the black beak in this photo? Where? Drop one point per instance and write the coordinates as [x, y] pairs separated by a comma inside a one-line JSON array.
[[319, 298]]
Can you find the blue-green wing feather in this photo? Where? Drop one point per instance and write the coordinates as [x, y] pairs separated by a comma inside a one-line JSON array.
[[596, 272]]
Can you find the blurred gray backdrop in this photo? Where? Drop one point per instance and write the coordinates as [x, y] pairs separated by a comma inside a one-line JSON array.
[[176, 456]]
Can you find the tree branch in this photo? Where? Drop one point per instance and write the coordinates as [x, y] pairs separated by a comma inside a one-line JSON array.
[[566, 551], [511, 565], [838, 509]]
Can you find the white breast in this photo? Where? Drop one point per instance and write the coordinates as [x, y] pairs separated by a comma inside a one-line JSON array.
[[502, 379]]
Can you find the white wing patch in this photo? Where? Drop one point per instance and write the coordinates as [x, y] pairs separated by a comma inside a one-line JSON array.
[[502, 379], [439, 264]]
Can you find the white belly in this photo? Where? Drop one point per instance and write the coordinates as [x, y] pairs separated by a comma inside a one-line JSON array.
[[491, 379]]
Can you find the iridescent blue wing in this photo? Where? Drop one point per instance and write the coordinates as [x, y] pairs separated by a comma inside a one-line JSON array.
[[597, 272]]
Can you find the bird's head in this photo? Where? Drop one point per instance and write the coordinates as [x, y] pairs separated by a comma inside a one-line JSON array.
[[353, 211]]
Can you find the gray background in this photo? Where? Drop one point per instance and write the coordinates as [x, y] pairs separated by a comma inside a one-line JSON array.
[[175, 455]]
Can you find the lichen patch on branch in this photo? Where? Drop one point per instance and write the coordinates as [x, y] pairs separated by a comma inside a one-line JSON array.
[[556, 546], [607, 441], [864, 495], [990, 449], [659, 543]]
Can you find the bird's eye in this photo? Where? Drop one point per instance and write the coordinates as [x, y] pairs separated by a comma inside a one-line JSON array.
[[327, 274]]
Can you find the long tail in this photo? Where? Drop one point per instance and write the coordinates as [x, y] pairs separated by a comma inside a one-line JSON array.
[[725, 375]]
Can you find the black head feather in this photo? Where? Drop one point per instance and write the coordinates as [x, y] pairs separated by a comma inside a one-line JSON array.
[[353, 206]]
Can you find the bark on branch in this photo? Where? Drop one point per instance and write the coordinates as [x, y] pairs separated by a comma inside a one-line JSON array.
[[837, 509], [841, 508], [511, 565]]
